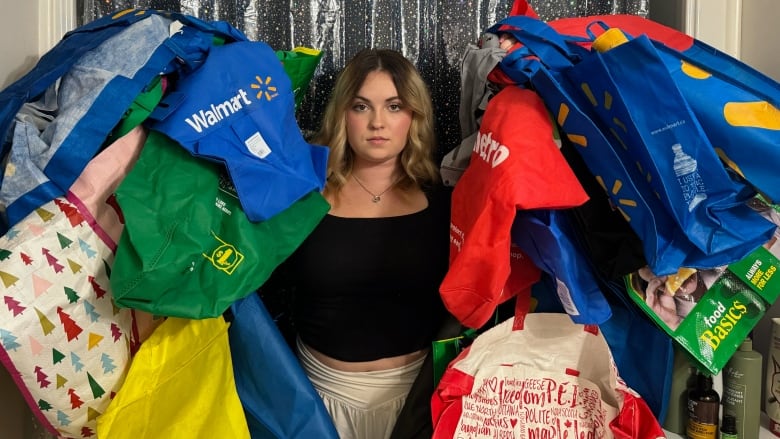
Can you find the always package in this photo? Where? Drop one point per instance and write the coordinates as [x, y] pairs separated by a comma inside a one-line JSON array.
[[710, 312]]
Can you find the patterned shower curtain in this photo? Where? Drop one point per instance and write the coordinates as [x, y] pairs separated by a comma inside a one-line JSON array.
[[431, 33]]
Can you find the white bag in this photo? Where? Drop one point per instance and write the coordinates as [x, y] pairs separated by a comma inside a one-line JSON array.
[[546, 378]]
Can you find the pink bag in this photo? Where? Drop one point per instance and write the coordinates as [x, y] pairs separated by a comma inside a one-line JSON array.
[[537, 376]]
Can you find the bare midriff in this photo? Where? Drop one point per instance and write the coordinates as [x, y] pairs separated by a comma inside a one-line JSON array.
[[368, 366]]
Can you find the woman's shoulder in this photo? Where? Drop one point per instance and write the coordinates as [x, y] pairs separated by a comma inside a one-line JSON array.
[[438, 191], [439, 196]]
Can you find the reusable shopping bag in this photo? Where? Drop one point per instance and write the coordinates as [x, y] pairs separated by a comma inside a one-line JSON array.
[[180, 384], [734, 103], [300, 63], [680, 164], [709, 312], [646, 367], [553, 242], [475, 93], [80, 90], [539, 375], [546, 236], [278, 399], [595, 97], [188, 250], [515, 164], [238, 109], [62, 337]]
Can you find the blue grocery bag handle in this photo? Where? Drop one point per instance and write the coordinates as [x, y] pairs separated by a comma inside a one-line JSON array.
[[556, 51]]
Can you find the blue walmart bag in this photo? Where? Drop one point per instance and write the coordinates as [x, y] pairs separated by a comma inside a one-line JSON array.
[[737, 106], [656, 165]]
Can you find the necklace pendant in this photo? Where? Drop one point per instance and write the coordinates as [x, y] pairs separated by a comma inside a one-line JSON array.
[[376, 199]]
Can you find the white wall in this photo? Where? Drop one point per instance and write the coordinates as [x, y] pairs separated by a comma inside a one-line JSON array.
[[716, 22], [27, 30], [18, 39], [760, 36], [746, 29]]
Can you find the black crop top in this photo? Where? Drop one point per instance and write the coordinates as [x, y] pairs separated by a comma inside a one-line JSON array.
[[368, 288]]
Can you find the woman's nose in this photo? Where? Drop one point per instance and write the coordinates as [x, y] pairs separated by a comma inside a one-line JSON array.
[[377, 119]]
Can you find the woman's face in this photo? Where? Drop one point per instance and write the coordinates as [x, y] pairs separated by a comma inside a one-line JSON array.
[[377, 121]]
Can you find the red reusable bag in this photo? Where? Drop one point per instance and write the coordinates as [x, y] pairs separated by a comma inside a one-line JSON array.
[[515, 164]]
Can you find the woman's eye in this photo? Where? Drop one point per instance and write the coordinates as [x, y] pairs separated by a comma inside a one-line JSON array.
[[360, 107], [395, 107]]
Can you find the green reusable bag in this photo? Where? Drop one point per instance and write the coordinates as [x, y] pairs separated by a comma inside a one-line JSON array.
[[188, 250], [300, 64]]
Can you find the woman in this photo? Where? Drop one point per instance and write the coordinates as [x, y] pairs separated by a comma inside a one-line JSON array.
[[366, 302]]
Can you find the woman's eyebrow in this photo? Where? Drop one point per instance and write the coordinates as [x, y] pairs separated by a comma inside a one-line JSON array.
[[392, 98]]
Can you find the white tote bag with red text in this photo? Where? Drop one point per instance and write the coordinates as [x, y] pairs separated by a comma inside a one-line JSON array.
[[546, 377]]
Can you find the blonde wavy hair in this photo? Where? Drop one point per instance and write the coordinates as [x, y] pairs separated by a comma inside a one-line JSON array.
[[416, 159]]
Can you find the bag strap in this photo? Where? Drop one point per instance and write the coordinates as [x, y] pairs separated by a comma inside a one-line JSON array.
[[522, 308], [542, 41]]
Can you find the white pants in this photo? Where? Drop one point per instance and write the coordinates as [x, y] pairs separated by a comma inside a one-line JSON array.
[[363, 405]]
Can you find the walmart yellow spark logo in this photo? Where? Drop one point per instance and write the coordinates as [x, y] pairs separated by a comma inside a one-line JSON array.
[[264, 88], [622, 203], [225, 257], [757, 114], [581, 140], [608, 106]]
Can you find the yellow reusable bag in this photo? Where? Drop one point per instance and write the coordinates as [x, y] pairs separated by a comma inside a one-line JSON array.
[[180, 385]]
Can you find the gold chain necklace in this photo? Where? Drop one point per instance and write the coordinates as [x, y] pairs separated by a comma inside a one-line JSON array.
[[374, 197]]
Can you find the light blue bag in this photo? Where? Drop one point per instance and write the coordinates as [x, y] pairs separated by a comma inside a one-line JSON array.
[[121, 54]]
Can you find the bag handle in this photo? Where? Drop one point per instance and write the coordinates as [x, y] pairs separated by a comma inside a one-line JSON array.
[[591, 34], [522, 308], [541, 39]]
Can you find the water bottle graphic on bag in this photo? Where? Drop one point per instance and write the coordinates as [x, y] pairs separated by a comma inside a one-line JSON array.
[[691, 184]]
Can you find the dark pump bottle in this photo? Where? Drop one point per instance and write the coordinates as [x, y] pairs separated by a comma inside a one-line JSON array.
[[703, 409]]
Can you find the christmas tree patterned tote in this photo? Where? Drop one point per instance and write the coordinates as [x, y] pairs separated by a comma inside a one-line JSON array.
[[62, 338]]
